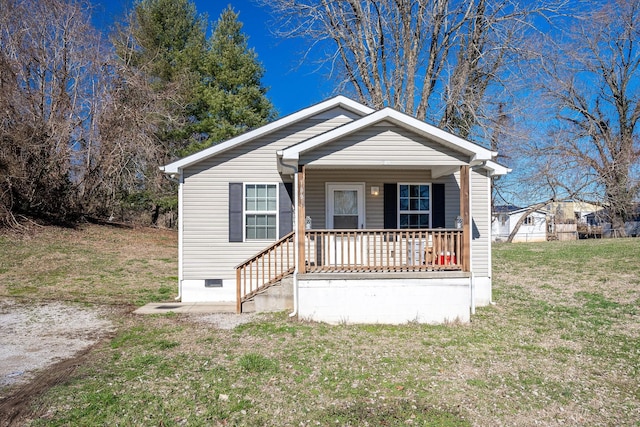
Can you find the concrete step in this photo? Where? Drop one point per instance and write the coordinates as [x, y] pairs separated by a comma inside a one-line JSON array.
[[249, 306], [278, 297]]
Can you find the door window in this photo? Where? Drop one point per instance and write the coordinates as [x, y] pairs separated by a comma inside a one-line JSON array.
[[345, 206], [345, 209]]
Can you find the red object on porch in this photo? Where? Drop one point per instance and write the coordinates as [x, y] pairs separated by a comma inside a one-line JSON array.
[[447, 259]]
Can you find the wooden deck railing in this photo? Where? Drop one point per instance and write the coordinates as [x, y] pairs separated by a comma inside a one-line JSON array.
[[351, 251], [264, 269], [383, 250]]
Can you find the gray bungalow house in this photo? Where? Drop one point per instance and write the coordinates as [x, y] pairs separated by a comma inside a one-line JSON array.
[[372, 215]]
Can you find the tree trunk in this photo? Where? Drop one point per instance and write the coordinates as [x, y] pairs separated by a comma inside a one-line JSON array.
[[529, 211]]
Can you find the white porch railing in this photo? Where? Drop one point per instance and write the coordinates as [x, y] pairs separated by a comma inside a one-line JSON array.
[[351, 251], [383, 250]]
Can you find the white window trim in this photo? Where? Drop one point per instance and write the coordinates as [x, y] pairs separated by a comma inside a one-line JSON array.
[[412, 211], [246, 212]]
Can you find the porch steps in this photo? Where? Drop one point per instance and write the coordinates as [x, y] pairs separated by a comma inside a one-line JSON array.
[[277, 297]]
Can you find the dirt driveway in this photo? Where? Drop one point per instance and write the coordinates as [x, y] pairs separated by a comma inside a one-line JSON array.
[[40, 344]]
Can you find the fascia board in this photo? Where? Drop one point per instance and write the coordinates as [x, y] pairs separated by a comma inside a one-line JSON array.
[[496, 168], [338, 101], [519, 211], [211, 151], [476, 152]]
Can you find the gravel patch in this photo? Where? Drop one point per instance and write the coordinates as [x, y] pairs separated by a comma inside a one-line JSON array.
[[35, 336]]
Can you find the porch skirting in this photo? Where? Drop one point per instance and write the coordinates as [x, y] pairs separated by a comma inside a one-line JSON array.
[[390, 298]]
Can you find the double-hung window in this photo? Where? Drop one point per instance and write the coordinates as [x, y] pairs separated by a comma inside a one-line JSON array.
[[414, 205], [261, 211]]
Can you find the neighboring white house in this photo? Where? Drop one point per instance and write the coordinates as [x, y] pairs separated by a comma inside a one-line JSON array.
[[378, 217], [533, 228]]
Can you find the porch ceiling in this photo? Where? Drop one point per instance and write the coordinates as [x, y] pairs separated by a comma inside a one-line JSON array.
[[436, 170]]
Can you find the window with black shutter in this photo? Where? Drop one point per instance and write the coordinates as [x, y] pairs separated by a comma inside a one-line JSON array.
[[405, 205]]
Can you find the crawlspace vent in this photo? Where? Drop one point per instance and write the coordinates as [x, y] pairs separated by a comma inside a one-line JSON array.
[[212, 283]]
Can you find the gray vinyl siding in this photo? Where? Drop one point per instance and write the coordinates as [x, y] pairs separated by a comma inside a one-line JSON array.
[[374, 205], [451, 198], [379, 152], [481, 226], [207, 252], [382, 144]]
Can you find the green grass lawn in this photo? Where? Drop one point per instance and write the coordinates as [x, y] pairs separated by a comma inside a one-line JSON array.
[[91, 264], [561, 346]]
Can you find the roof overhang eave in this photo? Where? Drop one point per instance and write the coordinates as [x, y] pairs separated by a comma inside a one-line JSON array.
[[168, 170], [290, 156], [495, 169], [338, 101]]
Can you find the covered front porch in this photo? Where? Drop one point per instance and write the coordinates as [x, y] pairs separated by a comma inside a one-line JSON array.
[[320, 248], [414, 239]]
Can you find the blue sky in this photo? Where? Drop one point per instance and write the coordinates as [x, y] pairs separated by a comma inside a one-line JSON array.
[[291, 88]]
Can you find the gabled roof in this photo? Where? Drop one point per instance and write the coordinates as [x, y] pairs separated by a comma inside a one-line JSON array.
[[505, 209], [338, 101], [512, 210], [477, 153]]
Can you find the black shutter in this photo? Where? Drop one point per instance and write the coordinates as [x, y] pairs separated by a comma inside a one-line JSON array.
[[391, 206], [437, 206], [285, 210], [235, 212]]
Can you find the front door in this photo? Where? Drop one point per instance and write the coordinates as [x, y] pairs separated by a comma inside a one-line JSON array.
[[345, 206], [345, 211]]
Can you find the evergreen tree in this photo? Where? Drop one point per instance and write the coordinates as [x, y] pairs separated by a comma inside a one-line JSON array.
[[163, 48], [171, 38], [233, 99], [210, 89], [188, 92]]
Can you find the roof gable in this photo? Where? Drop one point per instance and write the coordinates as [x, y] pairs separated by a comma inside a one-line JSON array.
[[511, 210], [315, 110], [382, 144], [363, 118], [474, 151]]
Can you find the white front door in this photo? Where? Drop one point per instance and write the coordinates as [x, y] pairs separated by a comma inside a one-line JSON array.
[[345, 206], [345, 210]]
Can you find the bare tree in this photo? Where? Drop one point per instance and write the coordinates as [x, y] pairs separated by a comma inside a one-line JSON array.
[[444, 61], [591, 78], [49, 84], [67, 149], [128, 170]]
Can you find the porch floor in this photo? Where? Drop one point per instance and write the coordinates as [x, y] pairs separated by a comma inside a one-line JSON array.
[[354, 275]]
